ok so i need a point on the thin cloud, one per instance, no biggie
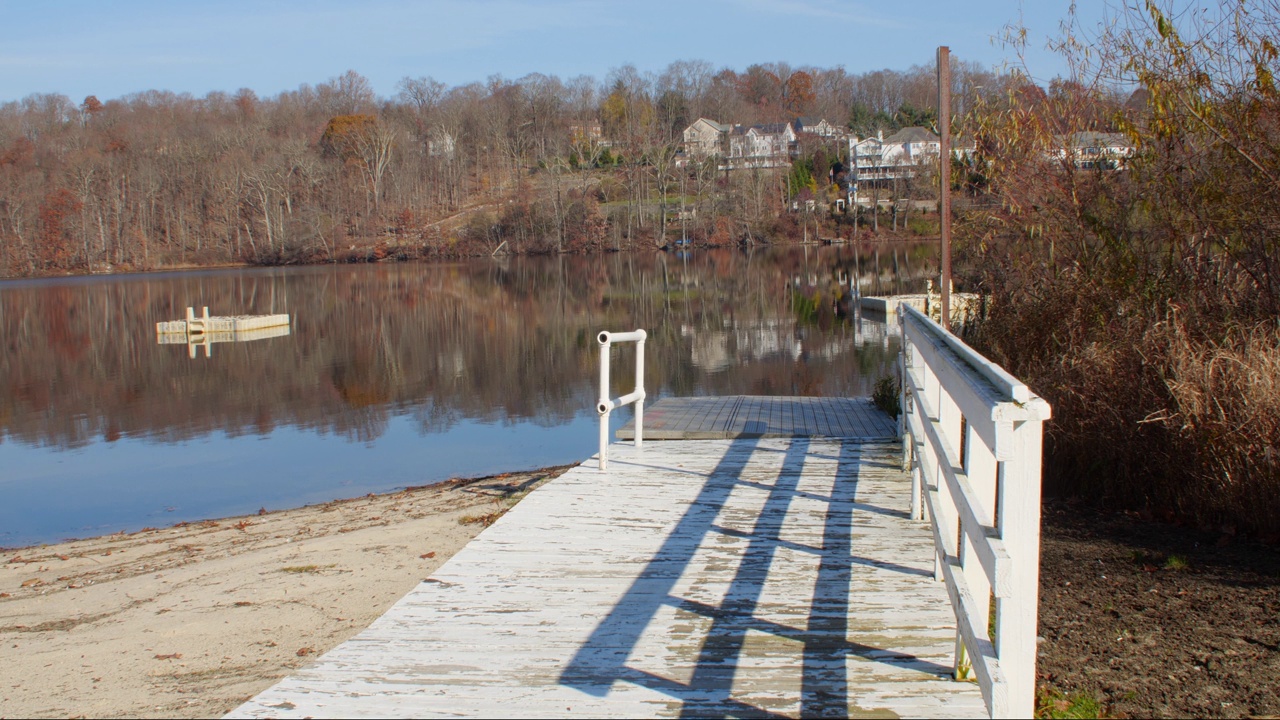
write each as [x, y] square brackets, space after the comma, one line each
[856, 14]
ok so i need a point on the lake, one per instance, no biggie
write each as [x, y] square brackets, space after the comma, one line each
[394, 375]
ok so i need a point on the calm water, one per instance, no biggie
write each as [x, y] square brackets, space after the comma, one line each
[392, 375]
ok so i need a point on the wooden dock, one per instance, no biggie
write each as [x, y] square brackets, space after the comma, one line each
[928, 304]
[744, 416]
[745, 577]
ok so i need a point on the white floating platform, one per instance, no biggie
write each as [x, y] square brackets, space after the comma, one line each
[754, 577]
[218, 336]
[927, 304]
[220, 323]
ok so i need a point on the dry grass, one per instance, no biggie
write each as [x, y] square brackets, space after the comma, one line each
[1174, 419]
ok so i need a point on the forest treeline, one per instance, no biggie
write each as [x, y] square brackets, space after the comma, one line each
[332, 172]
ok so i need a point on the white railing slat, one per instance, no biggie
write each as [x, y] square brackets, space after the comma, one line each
[975, 518]
[955, 401]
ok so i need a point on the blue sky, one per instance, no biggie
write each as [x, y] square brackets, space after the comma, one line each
[113, 47]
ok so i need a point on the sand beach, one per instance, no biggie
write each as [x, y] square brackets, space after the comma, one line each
[192, 620]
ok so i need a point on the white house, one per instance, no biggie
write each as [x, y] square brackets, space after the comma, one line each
[440, 143]
[899, 156]
[761, 146]
[817, 126]
[911, 147]
[1093, 150]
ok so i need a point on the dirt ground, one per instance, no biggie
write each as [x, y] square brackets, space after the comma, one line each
[1156, 620]
[192, 620]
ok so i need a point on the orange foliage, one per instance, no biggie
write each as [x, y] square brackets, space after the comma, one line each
[343, 134]
[56, 246]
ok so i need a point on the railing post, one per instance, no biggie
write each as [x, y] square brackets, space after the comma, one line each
[1019, 521]
[606, 405]
[640, 389]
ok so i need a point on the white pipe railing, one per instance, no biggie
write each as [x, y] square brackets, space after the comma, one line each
[606, 406]
[972, 437]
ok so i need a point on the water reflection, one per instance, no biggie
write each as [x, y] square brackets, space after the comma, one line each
[420, 372]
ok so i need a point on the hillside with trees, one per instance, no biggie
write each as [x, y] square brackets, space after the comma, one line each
[334, 173]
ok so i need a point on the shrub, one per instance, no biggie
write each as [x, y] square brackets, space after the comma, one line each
[886, 395]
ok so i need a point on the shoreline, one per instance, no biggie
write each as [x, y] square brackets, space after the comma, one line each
[194, 619]
[880, 238]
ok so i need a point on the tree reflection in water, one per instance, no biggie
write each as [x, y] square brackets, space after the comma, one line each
[508, 343]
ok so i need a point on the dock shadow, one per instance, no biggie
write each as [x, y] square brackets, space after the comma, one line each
[604, 659]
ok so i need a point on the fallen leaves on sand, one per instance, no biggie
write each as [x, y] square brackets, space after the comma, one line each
[243, 603]
[485, 519]
[170, 656]
[33, 582]
[427, 556]
[303, 652]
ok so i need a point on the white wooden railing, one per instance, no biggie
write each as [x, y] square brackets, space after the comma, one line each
[972, 438]
[606, 405]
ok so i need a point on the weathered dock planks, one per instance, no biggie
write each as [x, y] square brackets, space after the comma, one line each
[740, 416]
[757, 577]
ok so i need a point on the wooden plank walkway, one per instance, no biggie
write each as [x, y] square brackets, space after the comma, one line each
[744, 416]
[755, 577]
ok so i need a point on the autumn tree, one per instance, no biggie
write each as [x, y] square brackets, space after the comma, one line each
[1140, 297]
[797, 93]
[56, 225]
[365, 142]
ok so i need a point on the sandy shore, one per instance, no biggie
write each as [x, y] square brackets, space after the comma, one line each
[191, 621]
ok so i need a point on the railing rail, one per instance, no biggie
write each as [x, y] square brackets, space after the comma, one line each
[972, 438]
[606, 405]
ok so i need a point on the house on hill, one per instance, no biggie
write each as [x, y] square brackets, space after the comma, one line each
[1094, 150]
[900, 155]
[705, 138]
[761, 146]
[817, 126]
[911, 147]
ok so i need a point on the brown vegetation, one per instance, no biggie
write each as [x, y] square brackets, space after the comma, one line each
[1142, 301]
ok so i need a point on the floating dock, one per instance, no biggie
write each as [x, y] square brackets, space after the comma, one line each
[929, 304]
[203, 331]
[198, 324]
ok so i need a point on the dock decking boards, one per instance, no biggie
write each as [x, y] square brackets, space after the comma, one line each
[754, 577]
[737, 416]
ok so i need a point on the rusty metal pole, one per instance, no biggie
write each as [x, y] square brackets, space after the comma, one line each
[944, 176]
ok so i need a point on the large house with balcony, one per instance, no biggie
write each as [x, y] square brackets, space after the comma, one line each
[761, 146]
[900, 156]
[1093, 150]
[739, 147]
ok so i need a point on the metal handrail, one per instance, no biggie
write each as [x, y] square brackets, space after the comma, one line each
[605, 406]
